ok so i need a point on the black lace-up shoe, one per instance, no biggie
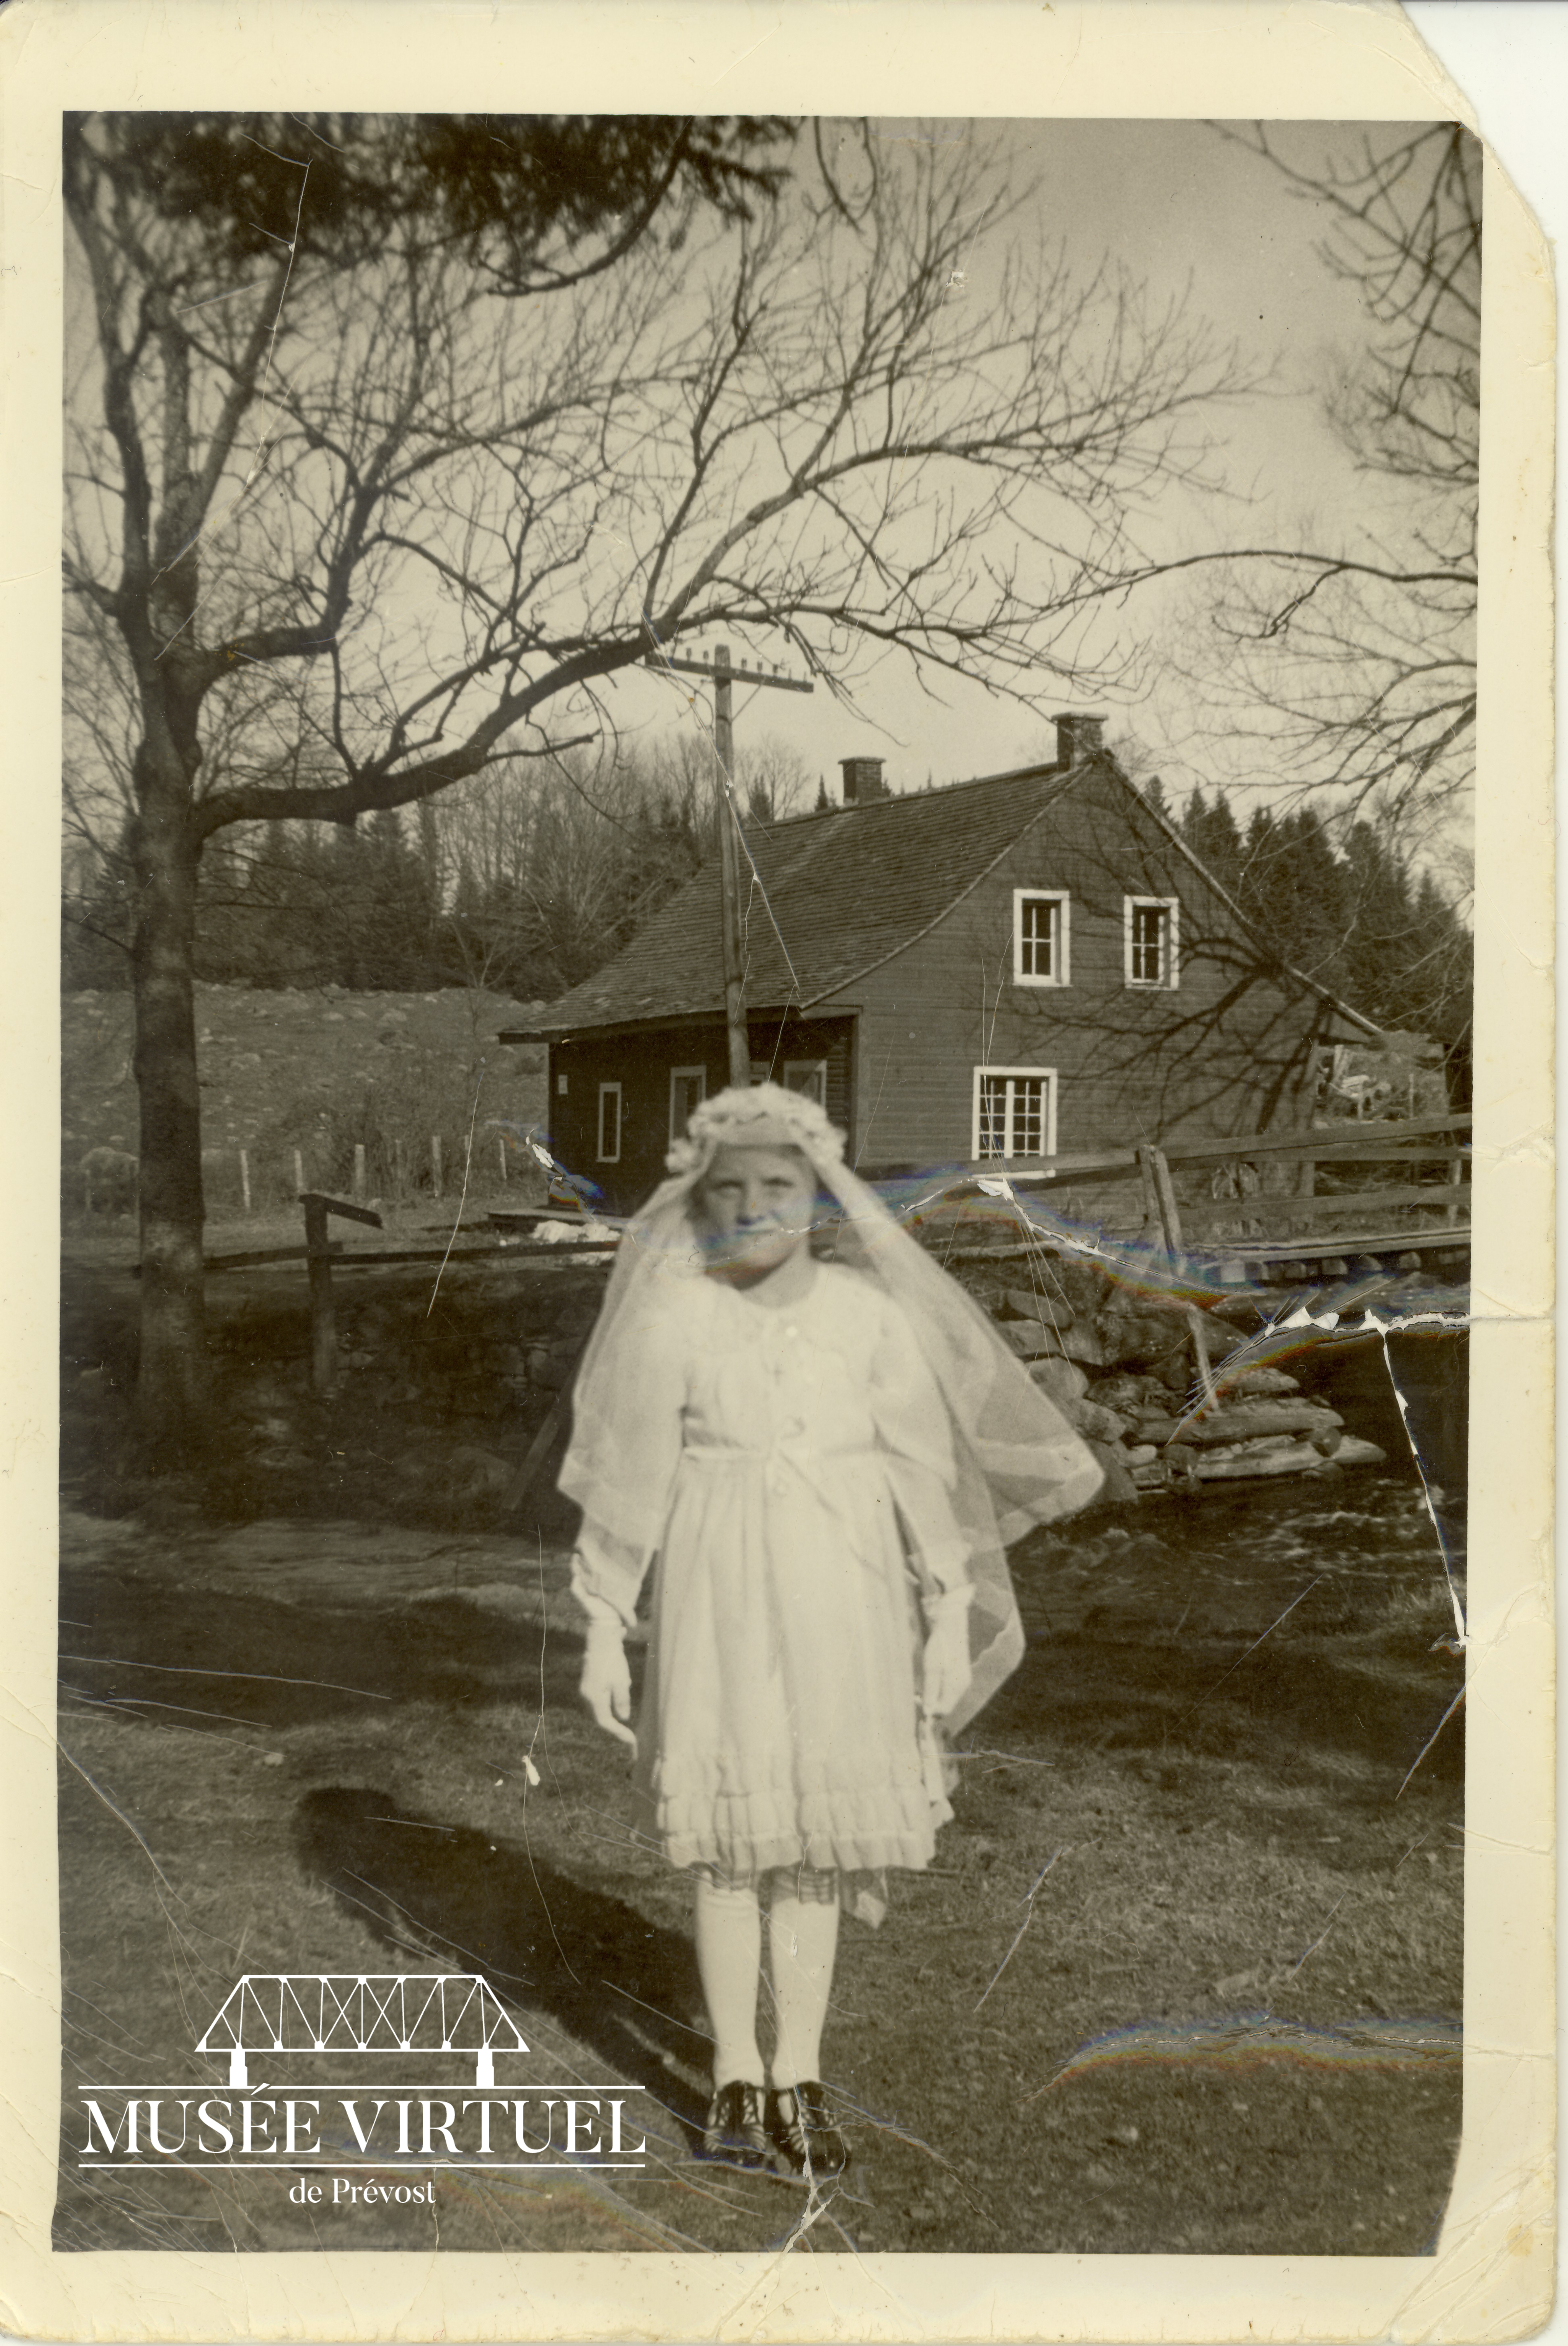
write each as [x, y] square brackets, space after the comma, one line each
[801, 2130]
[734, 2131]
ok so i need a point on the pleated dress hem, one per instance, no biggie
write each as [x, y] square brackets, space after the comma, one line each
[830, 1832]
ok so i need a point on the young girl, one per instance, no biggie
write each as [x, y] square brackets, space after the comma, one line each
[818, 1453]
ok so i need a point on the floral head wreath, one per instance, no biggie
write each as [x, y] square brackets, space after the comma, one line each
[763, 1116]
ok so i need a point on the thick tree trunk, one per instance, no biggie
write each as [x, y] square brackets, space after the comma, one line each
[171, 1389]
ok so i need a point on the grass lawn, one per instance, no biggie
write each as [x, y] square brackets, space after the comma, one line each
[1223, 2019]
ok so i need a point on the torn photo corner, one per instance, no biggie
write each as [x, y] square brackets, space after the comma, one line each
[777, 1536]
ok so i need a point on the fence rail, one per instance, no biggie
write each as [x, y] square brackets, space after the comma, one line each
[1269, 1227]
[1325, 1144]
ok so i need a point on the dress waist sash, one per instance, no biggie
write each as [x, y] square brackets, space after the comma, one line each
[779, 1455]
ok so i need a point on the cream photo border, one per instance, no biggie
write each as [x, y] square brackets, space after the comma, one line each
[1491, 2276]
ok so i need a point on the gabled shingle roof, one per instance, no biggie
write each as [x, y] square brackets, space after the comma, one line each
[848, 888]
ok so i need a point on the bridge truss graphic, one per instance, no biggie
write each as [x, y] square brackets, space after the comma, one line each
[362, 2012]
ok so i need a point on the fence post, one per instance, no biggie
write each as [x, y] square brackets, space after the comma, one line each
[1455, 1175]
[1158, 1181]
[1151, 1197]
[435, 1162]
[318, 1264]
[501, 1144]
[245, 1180]
[1156, 1176]
[359, 1172]
[299, 1172]
[399, 1183]
[323, 1325]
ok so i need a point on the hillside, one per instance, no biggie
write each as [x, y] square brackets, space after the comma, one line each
[316, 1072]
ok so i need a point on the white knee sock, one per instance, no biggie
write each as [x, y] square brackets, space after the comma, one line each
[729, 1956]
[802, 1938]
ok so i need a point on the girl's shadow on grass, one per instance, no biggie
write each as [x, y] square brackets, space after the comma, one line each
[616, 1982]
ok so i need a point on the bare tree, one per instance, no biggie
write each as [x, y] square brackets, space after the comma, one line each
[451, 515]
[1348, 668]
[774, 779]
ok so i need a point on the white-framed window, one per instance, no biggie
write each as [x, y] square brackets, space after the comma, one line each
[1150, 940]
[808, 1075]
[1014, 1112]
[561, 1087]
[1040, 924]
[688, 1089]
[609, 1123]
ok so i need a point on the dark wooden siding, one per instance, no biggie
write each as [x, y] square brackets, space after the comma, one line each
[1226, 1052]
[642, 1064]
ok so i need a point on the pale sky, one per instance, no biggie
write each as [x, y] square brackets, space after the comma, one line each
[1181, 206]
[1186, 212]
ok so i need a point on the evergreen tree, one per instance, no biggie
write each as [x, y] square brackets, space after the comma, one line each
[1311, 898]
[1259, 881]
[1379, 947]
[1352, 917]
[395, 908]
[1214, 839]
[347, 907]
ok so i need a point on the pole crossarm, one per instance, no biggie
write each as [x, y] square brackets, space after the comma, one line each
[724, 676]
[698, 664]
[362, 2012]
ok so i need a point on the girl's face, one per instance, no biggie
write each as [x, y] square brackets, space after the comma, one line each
[754, 1209]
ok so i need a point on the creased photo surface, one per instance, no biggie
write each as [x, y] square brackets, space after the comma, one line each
[786, 1311]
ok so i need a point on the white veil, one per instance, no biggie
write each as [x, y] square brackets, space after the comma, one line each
[1019, 1463]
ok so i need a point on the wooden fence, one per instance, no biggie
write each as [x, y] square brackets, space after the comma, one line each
[1333, 1205]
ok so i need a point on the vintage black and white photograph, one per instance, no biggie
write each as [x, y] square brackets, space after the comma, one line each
[765, 1084]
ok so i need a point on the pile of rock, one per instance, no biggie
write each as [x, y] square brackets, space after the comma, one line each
[1124, 1373]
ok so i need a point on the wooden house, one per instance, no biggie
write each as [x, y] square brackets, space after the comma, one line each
[1028, 963]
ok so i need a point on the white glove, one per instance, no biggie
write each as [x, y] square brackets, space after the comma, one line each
[605, 1685]
[945, 1669]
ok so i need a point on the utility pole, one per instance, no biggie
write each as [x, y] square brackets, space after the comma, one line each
[730, 944]
[730, 879]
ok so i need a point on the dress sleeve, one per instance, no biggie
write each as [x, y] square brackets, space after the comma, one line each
[620, 1465]
[607, 1574]
[912, 1422]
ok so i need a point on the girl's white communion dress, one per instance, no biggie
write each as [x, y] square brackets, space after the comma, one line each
[800, 1461]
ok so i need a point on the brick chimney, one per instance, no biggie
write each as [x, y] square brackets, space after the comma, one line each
[862, 779]
[1078, 736]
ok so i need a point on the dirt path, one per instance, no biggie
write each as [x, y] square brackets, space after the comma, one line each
[1187, 1973]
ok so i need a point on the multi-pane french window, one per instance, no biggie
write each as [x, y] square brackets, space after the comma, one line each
[1014, 1112]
